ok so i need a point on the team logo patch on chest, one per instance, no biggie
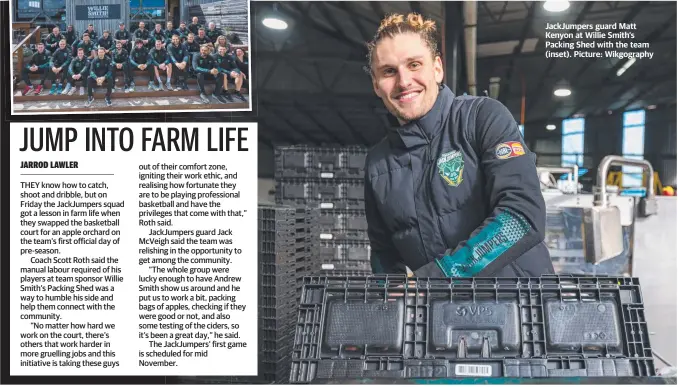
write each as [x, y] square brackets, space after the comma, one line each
[451, 168]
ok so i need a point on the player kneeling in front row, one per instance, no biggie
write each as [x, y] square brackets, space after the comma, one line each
[228, 70]
[160, 60]
[120, 58]
[100, 72]
[206, 68]
[77, 73]
[58, 66]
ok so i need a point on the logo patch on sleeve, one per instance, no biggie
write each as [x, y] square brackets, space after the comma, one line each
[507, 150]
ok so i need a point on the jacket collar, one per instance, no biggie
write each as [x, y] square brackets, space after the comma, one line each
[423, 130]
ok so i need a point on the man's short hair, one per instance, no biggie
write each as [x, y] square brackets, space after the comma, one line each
[41, 44]
[201, 29]
[121, 23]
[85, 34]
[81, 49]
[90, 25]
[107, 32]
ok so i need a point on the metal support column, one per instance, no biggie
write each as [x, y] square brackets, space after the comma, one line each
[452, 49]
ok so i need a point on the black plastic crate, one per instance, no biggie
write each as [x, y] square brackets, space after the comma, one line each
[399, 327]
[304, 161]
[342, 251]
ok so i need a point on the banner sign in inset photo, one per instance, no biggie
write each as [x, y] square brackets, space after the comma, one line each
[97, 12]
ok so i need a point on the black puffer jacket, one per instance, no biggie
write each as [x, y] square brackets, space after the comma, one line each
[456, 194]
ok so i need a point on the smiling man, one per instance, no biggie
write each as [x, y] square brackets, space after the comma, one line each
[453, 191]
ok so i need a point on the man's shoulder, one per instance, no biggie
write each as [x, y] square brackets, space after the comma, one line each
[376, 160]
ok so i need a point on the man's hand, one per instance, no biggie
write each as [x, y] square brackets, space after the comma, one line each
[100, 81]
[142, 67]
[163, 66]
[118, 65]
[55, 69]
[181, 65]
[234, 74]
[214, 71]
[34, 68]
[77, 76]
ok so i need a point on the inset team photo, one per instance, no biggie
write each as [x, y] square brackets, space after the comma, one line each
[79, 56]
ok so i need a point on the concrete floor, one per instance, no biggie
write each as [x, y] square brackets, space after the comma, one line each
[655, 254]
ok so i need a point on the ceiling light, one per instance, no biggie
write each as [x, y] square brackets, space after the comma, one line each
[274, 23]
[626, 66]
[550, 127]
[651, 107]
[562, 89]
[556, 6]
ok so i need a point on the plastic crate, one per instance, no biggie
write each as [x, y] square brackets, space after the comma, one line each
[320, 162]
[342, 251]
[399, 327]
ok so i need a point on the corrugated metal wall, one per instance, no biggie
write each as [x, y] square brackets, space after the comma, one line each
[99, 25]
[226, 14]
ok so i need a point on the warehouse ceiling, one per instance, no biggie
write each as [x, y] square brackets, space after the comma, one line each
[312, 87]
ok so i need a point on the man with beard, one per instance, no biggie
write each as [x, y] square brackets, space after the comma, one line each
[58, 66]
[77, 73]
[213, 32]
[87, 46]
[183, 32]
[228, 70]
[140, 59]
[123, 36]
[206, 68]
[160, 60]
[71, 35]
[52, 40]
[194, 27]
[39, 64]
[100, 72]
[106, 41]
[453, 191]
[179, 57]
[120, 59]
[143, 34]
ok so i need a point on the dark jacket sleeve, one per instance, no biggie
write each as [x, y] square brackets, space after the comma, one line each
[384, 257]
[517, 218]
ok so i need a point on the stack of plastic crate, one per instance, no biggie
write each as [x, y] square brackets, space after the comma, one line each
[332, 181]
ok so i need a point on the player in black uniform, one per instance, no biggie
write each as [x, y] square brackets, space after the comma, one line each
[213, 33]
[158, 34]
[39, 64]
[179, 57]
[120, 59]
[71, 35]
[193, 49]
[143, 34]
[183, 31]
[52, 40]
[58, 67]
[169, 32]
[106, 42]
[88, 46]
[93, 35]
[100, 72]
[203, 39]
[77, 72]
[160, 60]
[228, 71]
[123, 36]
[140, 59]
[206, 68]
[194, 27]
